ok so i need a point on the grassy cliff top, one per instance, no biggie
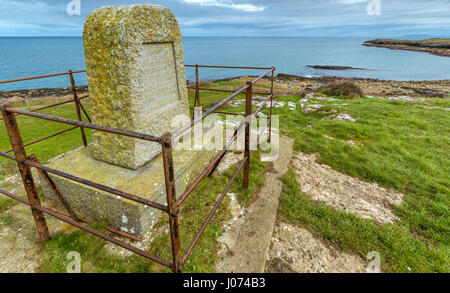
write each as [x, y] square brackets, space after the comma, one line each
[433, 42]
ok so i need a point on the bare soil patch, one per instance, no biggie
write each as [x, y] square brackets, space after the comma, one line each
[322, 183]
[19, 240]
[297, 250]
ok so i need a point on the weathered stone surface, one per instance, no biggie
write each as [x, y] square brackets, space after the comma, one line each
[245, 244]
[146, 182]
[136, 77]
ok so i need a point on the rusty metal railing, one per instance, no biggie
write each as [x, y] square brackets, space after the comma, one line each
[76, 100]
[25, 163]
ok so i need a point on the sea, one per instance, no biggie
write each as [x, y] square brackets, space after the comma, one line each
[30, 56]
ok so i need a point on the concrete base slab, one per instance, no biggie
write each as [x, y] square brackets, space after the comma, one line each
[146, 182]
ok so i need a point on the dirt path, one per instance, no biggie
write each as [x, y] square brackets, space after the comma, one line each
[245, 245]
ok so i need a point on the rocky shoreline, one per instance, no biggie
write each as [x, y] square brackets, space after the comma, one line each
[20, 96]
[372, 87]
[439, 47]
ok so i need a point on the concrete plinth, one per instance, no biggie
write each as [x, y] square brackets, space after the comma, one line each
[146, 182]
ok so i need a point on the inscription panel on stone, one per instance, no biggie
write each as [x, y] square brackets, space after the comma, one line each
[159, 80]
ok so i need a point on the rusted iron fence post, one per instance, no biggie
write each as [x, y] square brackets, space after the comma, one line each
[271, 104]
[248, 113]
[25, 172]
[77, 105]
[169, 175]
[55, 189]
[197, 87]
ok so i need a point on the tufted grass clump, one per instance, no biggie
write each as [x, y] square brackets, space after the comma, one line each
[345, 89]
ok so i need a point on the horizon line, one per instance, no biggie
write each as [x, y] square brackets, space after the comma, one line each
[266, 37]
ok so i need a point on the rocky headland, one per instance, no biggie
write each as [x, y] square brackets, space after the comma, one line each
[440, 47]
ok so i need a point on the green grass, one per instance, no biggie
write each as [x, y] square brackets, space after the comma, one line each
[5, 219]
[402, 146]
[33, 128]
[194, 211]
[400, 251]
[6, 203]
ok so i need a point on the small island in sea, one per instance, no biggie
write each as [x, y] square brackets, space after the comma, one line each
[333, 67]
[436, 46]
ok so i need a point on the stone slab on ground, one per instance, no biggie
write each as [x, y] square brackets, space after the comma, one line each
[297, 250]
[324, 184]
[247, 253]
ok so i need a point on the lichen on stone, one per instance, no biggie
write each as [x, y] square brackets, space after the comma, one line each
[115, 40]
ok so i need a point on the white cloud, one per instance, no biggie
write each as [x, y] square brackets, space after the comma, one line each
[227, 4]
[29, 6]
[352, 1]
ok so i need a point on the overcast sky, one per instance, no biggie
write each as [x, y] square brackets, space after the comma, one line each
[271, 18]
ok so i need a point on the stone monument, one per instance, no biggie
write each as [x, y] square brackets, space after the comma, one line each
[136, 78]
[137, 82]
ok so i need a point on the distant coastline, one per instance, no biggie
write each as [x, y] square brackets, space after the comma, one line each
[370, 86]
[439, 47]
[40, 56]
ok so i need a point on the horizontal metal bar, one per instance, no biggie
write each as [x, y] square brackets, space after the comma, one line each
[213, 211]
[8, 156]
[15, 197]
[40, 76]
[223, 90]
[208, 112]
[219, 66]
[92, 184]
[264, 102]
[53, 105]
[44, 138]
[112, 230]
[124, 234]
[220, 112]
[82, 71]
[221, 154]
[263, 75]
[87, 125]
[90, 230]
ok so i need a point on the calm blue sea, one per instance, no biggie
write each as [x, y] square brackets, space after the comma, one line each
[23, 57]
